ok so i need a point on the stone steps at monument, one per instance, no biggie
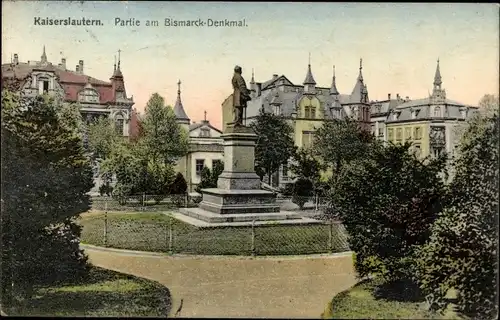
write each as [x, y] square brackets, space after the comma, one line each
[211, 217]
[204, 224]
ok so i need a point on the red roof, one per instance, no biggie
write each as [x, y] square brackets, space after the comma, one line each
[71, 81]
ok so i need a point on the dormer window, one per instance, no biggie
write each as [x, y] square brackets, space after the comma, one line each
[205, 132]
[463, 113]
[43, 85]
[414, 113]
[395, 116]
[88, 95]
[437, 112]
[277, 110]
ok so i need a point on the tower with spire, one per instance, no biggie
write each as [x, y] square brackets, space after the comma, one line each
[309, 82]
[180, 113]
[438, 93]
[43, 58]
[117, 81]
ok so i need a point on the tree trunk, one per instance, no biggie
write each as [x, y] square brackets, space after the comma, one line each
[269, 176]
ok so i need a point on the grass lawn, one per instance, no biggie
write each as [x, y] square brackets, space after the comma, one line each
[363, 302]
[162, 233]
[105, 293]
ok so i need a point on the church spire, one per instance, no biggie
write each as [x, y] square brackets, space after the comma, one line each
[360, 77]
[179, 112]
[309, 77]
[437, 77]
[117, 73]
[333, 88]
[44, 56]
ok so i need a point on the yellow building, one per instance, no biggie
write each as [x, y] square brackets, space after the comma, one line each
[305, 106]
[428, 123]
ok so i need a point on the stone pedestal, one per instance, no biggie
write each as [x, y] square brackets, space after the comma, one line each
[238, 196]
[238, 187]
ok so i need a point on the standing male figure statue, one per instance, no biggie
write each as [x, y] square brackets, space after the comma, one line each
[241, 96]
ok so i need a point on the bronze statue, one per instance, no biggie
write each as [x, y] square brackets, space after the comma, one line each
[241, 96]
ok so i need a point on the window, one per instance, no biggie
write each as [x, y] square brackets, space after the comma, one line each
[88, 95]
[205, 132]
[119, 126]
[373, 129]
[399, 134]
[418, 133]
[307, 112]
[380, 132]
[43, 85]
[437, 112]
[463, 112]
[313, 113]
[436, 152]
[307, 138]
[407, 133]
[395, 116]
[200, 163]
[390, 134]
[414, 114]
[284, 172]
[277, 110]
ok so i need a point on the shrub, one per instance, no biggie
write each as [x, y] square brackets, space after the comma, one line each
[179, 186]
[462, 251]
[387, 203]
[302, 191]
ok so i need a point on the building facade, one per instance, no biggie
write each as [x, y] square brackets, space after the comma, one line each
[205, 145]
[428, 123]
[304, 106]
[93, 97]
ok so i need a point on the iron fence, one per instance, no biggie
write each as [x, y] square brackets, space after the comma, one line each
[144, 202]
[162, 233]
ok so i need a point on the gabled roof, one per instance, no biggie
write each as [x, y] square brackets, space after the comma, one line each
[203, 123]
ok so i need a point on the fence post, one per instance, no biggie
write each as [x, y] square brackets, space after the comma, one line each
[253, 238]
[143, 200]
[170, 236]
[106, 223]
[330, 237]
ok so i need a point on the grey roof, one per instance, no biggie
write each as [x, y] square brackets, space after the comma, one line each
[180, 114]
[309, 77]
[383, 107]
[195, 126]
[359, 88]
[422, 107]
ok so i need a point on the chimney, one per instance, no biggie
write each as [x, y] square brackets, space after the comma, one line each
[275, 76]
[16, 59]
[63, 63]
[80, 63]
[77, 68]
[407, 98]
[388, 96]
[259, 88]
[397, 96]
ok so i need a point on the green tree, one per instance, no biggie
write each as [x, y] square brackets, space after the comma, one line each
[162, 137]
[49, 178]
[341, 141]
[305, 165]
[275, 144]
[102, 137]
[388, 202]
[206, 180]
[462, 251]
[302, 191]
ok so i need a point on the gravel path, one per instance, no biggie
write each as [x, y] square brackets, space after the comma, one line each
[298, 287]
